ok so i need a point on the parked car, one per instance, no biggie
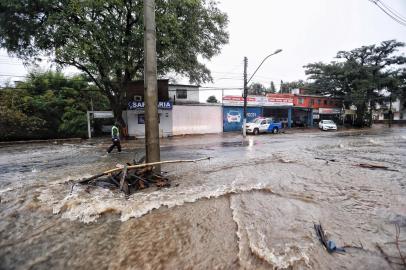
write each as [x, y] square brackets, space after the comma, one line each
[262, 125]
[233, 116]
[327, 125]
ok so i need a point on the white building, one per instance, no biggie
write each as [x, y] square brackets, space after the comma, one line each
[178, 120]
[183, 94]
[381, 112]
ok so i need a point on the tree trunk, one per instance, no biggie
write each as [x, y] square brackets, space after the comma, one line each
[117, 109]
[359, 121]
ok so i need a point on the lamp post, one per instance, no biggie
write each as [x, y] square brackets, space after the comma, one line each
[244, 132]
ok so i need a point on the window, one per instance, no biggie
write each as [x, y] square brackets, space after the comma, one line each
[263, 122]
[319, 101]
[325, 102]
[312, 102]
[141, 119]
[181, 93]
[301, 100]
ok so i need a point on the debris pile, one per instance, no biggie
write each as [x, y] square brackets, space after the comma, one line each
[397, 260]
[132, 177]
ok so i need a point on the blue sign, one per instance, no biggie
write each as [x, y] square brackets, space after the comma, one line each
[135, 105]
[233, 117]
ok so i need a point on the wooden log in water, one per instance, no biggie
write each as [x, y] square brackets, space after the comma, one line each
[145, 165]
[123, 181]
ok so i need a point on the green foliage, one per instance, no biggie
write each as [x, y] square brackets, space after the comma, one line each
[287, 87]
[104, 39]
[74, 123]
[360, 75]
[257, 89]
[14, 124]
[48, 105]
[272, 88]
[212, 99]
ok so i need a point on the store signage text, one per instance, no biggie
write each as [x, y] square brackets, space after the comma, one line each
[164, 105]
[259, 101]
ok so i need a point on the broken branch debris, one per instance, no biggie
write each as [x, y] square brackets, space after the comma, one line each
[374, 167]
[130, 178]
[328, 244]
[401, 260]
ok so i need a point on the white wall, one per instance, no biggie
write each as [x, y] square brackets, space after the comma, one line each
[138, 130]
[197, 119]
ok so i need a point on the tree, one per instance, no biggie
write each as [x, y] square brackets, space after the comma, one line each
[48, 105]
[212, 99]
[272, 88]
[104, 39]
[289, 86]
[360, 76]
[256, 89]
[281, 87]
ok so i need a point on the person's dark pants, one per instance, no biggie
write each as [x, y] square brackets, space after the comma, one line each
[116, 143]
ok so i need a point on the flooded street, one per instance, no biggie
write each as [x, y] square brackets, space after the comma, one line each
[252, 206]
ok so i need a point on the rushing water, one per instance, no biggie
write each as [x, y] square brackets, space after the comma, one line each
[252, 206]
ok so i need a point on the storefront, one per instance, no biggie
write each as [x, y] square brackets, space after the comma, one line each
[136, 121]
[279, 108]
[233, 116]
[302, 117]
[276, 106]
[334, 114]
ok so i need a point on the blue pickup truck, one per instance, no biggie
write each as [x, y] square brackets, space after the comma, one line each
[263, 125]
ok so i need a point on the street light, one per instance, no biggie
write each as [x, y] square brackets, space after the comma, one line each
[246, 88]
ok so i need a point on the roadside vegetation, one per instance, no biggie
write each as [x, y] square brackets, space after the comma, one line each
[48, 105]
[363, 77]
[105, 39]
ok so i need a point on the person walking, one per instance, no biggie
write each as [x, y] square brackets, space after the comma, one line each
[115, 138]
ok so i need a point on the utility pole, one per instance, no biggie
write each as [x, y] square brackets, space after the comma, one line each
[245, 94]
[390, 110]
[244, 131]
[152, 151]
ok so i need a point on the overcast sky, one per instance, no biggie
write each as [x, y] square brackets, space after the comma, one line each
[306, 30]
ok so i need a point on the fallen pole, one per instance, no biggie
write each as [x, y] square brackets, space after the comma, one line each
[85, 180]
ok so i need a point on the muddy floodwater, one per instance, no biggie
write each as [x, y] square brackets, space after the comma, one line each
[252, 206]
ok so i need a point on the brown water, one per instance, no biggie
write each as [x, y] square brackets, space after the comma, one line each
[252, 206]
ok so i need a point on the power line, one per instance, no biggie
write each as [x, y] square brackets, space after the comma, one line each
[388, 12]
[398, 15]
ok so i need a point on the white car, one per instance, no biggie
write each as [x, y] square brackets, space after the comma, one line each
[327, 125]
[233, 116]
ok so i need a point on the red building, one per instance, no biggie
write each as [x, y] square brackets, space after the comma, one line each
[322, 107]
[316, 102]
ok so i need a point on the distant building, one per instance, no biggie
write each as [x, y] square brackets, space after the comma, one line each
[381, 111]
[323, 108]
[184, 94]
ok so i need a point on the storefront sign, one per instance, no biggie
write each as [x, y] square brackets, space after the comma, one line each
[258, 101]
[279, 101]
[233, 117]
[164, 105]
[103, 115]
[329, 110]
